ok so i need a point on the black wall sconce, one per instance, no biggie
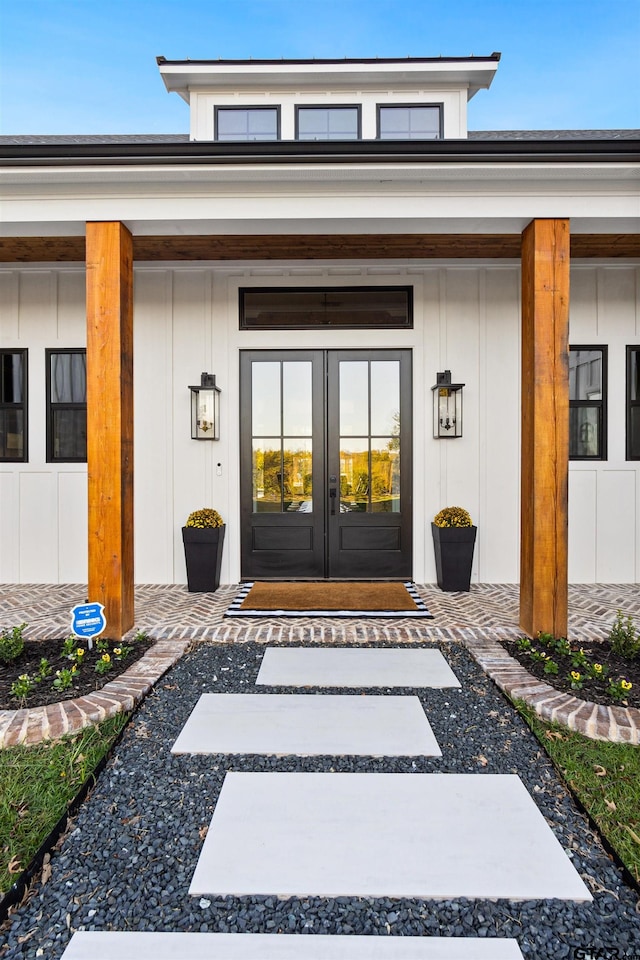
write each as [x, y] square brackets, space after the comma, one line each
[205, 409]
[447, 407]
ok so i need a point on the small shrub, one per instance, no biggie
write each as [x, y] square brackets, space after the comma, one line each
[550, 666]
[524, 644]
[22, 687]
[453, 517]
[104, 664]
[597, 671]
[11, 643]
[64, 678]
[576, 680]
[546, 639]
[579, 658]
[624, 638]
[205, 518]
[618, 689]
[69, 648]
[44, 670]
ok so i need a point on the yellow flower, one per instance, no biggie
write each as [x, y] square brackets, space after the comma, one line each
[575, 675]
[597, 667]
[79, 652]
[626, 685]
[106, 657]
[117, 651]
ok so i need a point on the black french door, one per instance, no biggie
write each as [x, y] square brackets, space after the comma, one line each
[326, 464]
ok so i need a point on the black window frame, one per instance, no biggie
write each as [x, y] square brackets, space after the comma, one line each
[23, 405]
[329, 106]
[52, 407]
[408, 106]
[598, 404]
[407, 324]
[273, 108]
[629, 403]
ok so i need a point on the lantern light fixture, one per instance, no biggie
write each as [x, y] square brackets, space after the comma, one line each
[205, 409]
[447, 407]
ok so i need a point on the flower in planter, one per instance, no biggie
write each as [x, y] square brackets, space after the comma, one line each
[204, 519]
[453, 517]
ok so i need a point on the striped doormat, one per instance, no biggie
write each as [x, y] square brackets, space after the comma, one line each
[326, 598]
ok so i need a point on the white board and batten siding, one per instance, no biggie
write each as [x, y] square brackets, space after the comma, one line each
[466, 318]
[604, 497]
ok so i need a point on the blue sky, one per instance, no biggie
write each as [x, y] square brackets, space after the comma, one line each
[88, 66]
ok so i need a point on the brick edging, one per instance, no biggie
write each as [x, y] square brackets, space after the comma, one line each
[32, 725]
[593, 720]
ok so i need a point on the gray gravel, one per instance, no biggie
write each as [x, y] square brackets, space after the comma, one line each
[127, 862]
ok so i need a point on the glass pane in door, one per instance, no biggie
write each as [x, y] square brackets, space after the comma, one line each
[281, 428]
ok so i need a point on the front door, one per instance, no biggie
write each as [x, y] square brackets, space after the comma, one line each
[326, 464]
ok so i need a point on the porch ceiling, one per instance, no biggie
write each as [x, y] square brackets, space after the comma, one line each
[315, 247]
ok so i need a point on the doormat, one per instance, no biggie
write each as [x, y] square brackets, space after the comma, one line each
[326, 598]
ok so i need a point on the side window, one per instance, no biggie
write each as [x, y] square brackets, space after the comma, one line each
[633, 403]
[587, 403]
[66, 405]
[13, 406]
[247, 123]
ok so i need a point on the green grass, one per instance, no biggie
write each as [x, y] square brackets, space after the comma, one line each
[604, 776]
[38, 783]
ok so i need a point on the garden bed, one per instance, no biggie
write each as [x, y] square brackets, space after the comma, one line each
[543, 654]
[61, 658]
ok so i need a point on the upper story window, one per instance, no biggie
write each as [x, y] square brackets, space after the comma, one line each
[409, 122]
[328, 123]
[66, 405]
[247, 123]
[587, 403]
[13, 405]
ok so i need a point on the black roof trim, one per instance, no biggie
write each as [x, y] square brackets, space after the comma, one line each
[321, 60]
[308, 152]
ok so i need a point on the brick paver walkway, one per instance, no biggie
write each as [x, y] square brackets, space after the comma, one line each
[176, 618]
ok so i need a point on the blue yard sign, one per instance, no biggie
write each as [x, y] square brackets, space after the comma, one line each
[88, 620]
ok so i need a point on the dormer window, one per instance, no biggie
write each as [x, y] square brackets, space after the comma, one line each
[247, 123]
[409, 122]
[328, 123]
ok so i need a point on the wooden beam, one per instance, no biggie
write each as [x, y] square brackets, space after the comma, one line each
[545, 427]
[110, 422]
[318, 247]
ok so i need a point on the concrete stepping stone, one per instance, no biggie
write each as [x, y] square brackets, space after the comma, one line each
[355, 667]
[307, 725]
[269, 946]
[382, 835]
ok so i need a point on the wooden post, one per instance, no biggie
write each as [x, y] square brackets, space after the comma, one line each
[545, 427]
[110, 422]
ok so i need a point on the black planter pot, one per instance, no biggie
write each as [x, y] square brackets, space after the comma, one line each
[454, 556]
[203, 554]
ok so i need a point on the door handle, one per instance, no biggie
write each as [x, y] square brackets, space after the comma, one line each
[332, 496]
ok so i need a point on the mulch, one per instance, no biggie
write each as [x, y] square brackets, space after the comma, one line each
[86, 679]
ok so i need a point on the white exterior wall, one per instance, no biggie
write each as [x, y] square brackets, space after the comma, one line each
[604, 498]
[466, 318]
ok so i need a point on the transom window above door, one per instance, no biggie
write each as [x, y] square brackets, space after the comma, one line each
[409, 122]
[328, 123]
[287, 308]
[247, 123]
